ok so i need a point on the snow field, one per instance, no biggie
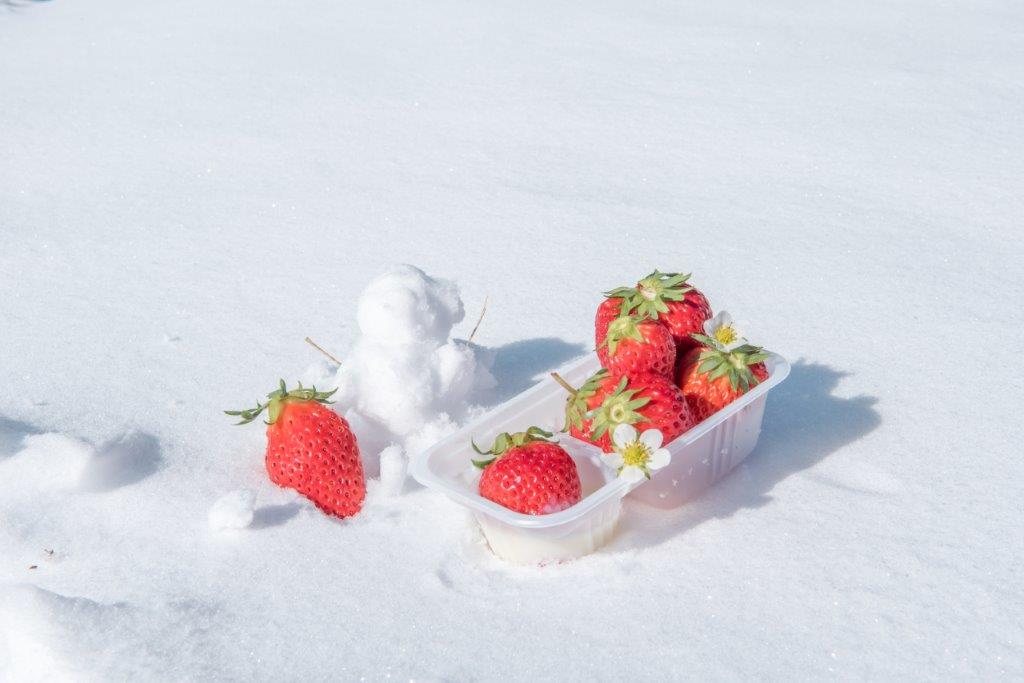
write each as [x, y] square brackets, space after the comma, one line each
[189, 189]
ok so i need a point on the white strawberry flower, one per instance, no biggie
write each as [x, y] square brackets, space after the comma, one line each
[635, 457]
[723, 330]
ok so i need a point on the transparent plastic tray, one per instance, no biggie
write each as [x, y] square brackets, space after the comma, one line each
[700, 457]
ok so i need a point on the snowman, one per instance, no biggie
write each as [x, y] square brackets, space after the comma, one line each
[405, 382]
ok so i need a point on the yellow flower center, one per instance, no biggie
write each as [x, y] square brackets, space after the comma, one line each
[725, 335]
[636, 454]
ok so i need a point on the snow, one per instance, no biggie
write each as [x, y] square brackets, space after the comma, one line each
[233, 510]
[189, 189]
[46, 462]
[393, 468]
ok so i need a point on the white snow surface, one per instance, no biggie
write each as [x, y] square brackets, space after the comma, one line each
[189, 189]
[233, 510]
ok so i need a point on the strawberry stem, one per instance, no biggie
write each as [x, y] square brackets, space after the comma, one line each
[565, 385]
[277, 400]
[505, 441]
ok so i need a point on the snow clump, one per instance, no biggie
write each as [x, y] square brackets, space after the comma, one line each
[233, 510]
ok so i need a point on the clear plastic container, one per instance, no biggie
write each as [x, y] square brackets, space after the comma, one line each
[700, 457]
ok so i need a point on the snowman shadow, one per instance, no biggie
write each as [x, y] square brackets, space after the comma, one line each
[519, 365]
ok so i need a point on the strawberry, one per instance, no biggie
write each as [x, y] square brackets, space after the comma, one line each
[645, 401]
[529, 474]
[311, 449]
[607, 311]
[581, 401]
[637, 346]
[665, 297]
[713, 376]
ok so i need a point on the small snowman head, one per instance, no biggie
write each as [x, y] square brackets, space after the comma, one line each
[405, 306]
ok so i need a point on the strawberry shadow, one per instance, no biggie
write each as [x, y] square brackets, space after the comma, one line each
[274, 515]
[804, 423]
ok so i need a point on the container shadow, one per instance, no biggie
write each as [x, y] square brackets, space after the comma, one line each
[517, 366]
[803, 424]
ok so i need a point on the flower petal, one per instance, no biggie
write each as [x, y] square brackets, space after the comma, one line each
[711, 324]
[652, 438]
[632, 474]
[623, 435]
[612, 460]
[659, 459]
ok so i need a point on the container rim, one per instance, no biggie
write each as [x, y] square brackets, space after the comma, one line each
[778, 369]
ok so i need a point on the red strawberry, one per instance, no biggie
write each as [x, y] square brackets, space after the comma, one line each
[635, 346]
[712, 378]
[529, 474]
[665, 297]
[609, 309]
[311, 449]
[645, 401]
[581, 401]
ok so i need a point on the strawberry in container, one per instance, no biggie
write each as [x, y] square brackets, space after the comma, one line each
[635, 345]
[606, 401]
[635, 429]
[527, 472]
[722, 369]
[645, 402]
[580, 402]
[665, 297]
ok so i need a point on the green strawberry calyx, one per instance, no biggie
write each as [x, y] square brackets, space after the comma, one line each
[648, 299]
[716, 361]
[623, 327]
[576, 405]
[278, 399]
[620, 407]
[505, 441]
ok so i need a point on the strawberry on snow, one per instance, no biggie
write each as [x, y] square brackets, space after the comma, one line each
[529, 474]
[311, 449]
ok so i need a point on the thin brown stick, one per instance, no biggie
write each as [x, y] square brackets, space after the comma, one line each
[321, 350]
[479, 320]
[565, 385]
